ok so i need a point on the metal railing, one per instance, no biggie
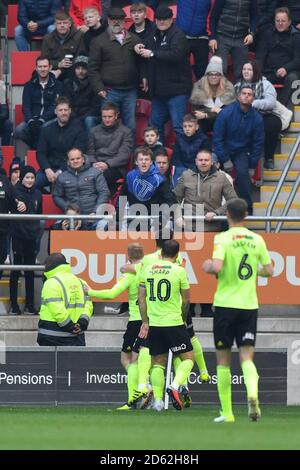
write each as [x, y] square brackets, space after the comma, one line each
[280, 183]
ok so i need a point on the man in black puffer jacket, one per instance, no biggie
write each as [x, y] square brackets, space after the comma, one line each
[168, 71]
[279, 54]
[232, 25]
[81, 184]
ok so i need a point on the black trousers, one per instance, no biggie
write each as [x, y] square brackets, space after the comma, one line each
[23, 252]
[272, 126]
[3, 249]
[284, 94]
[44, 340]
[199, 49]
[112, 175]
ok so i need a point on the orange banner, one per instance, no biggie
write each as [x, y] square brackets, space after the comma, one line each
[98, 261]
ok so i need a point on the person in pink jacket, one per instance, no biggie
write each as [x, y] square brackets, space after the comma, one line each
[76, 11]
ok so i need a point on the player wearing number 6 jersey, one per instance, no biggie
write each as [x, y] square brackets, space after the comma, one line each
[164, 303]
[239, 256]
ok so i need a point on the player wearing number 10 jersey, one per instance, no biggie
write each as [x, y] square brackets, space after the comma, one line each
[164, 304]
[237, 256]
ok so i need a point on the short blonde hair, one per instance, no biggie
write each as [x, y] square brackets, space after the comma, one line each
[135, 251]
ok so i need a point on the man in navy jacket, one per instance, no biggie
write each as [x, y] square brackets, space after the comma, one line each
[36, 18]
[238, 140]
[192, 18]
[39, 97]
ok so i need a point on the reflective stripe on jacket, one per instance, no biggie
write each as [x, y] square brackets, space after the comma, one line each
[63, 302]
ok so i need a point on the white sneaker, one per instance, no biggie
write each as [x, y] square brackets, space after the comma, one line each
[224, 419]
[158, 405]
[108, 309]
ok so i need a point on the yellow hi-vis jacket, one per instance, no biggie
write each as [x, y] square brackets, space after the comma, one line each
[63, 303]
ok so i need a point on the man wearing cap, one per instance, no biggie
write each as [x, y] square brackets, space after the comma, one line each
[39, 95]
[169, 71]
[14, 171]
[85, 104]
[113, 67]
[65, 308]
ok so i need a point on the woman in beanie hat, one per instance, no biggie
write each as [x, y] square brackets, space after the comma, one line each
[24, 234]
[211, 93]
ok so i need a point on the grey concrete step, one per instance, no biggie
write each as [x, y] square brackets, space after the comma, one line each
[106, 331]
[293, 129]
[266, 192]
[286, 144]
[274, 175]
[259, 208]
[280, 160]
[296, 117]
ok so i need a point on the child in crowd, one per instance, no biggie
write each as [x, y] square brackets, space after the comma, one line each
[24, 234]
[72, 209]
[188, 144]
[14, 171]
[151, 138]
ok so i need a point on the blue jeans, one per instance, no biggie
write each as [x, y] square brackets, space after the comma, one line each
[6, 129]
[163, 109]
[241, 164]
[21, 37]
[41, 180]
[126, 101]
[89, 122]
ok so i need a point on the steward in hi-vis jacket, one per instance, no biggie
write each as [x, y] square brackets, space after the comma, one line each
[65, 308]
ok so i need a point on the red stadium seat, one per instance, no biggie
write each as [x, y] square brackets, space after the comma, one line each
[169, 152]
[8, 152]
[174, 10]
[31, 159]
[19, 116]
[12, 20]
[50, 208]
[22, 66]
[170, 135]
[257, 174]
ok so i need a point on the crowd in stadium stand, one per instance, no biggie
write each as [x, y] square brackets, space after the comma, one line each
[217, 70]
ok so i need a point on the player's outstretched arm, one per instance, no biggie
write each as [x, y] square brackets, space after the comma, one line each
[266, 271]
[212, 266]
